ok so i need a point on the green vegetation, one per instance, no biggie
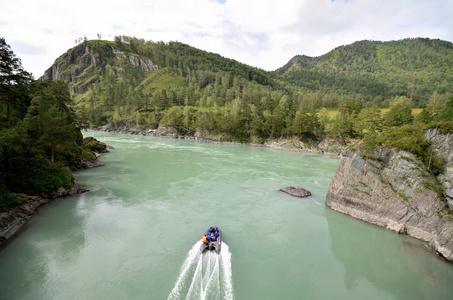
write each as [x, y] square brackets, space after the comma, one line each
[378, 72]
[38, 133]
[411, 138]
[133, 75]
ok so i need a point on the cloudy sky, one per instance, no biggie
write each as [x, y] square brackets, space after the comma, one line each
[261, 33]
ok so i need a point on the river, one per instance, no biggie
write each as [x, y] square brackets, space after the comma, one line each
[136, 234]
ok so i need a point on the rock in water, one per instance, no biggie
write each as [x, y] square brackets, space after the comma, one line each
[296, 191]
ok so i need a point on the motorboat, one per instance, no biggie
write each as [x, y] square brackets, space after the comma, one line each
[212, 245]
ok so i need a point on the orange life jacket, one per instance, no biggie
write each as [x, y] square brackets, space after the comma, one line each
[204, 239]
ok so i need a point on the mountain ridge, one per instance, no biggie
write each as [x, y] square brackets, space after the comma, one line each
[394, 68]
[373, 70]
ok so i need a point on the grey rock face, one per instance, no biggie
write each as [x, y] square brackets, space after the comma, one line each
[442, 145]
[71, 66]
[394, 191]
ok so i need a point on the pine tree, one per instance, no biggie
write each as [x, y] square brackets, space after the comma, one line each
[58, 134]
[369, 144]
[13, 81]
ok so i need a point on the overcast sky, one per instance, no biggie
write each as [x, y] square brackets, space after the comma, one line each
[261, 33]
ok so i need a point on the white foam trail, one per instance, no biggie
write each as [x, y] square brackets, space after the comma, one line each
[191, 257]
[205, 276]
[225, 256]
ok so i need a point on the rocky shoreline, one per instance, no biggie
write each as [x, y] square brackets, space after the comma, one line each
[14, 219]
[328, 147]
[397, 192]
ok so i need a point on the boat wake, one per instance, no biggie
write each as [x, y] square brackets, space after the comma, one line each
[205, 276]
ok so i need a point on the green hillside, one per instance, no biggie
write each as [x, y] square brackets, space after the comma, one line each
[377, 71]
[137, 82]
[130, 75]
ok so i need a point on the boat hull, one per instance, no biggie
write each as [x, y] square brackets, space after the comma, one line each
[218, 244]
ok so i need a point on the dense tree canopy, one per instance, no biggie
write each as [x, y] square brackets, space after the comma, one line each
[38, 135]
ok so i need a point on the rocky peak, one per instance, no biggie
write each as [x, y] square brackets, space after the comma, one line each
[79, 65]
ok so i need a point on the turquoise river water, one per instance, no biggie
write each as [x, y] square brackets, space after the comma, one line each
[136, 234]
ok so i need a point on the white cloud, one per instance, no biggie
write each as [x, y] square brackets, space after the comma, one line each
[264, 33]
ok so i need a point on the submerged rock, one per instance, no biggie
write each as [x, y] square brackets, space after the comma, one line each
[296, 191]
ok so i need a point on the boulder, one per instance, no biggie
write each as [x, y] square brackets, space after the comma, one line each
[95, 145]
[296, 191]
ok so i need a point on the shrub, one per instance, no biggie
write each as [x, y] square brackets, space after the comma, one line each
[7, 200]
[411, 139]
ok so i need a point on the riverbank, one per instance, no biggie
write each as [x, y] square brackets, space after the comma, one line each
[329, 147]
[13, 219]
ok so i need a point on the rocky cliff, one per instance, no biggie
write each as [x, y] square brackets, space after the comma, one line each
[83, 64]
[442, 145]
[396, 191]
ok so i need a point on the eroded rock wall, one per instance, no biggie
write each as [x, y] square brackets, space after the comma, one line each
[77, 66]
[395, 191]
[442, 145]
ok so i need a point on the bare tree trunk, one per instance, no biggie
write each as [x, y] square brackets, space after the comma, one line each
[8, 110]
[366, 165]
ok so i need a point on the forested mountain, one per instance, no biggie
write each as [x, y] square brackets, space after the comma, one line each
[148, 84]
[377, 71]
[150, 74]
[116, 80]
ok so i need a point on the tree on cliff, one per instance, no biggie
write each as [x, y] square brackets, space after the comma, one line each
[369, 144]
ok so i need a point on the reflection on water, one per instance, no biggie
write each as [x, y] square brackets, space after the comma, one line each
[396, 266]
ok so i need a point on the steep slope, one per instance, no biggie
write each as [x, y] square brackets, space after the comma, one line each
[85, 63]
[377, 69]
[131, 78]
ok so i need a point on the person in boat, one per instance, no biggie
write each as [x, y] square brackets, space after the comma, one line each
[213, 237]
[205, 239]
